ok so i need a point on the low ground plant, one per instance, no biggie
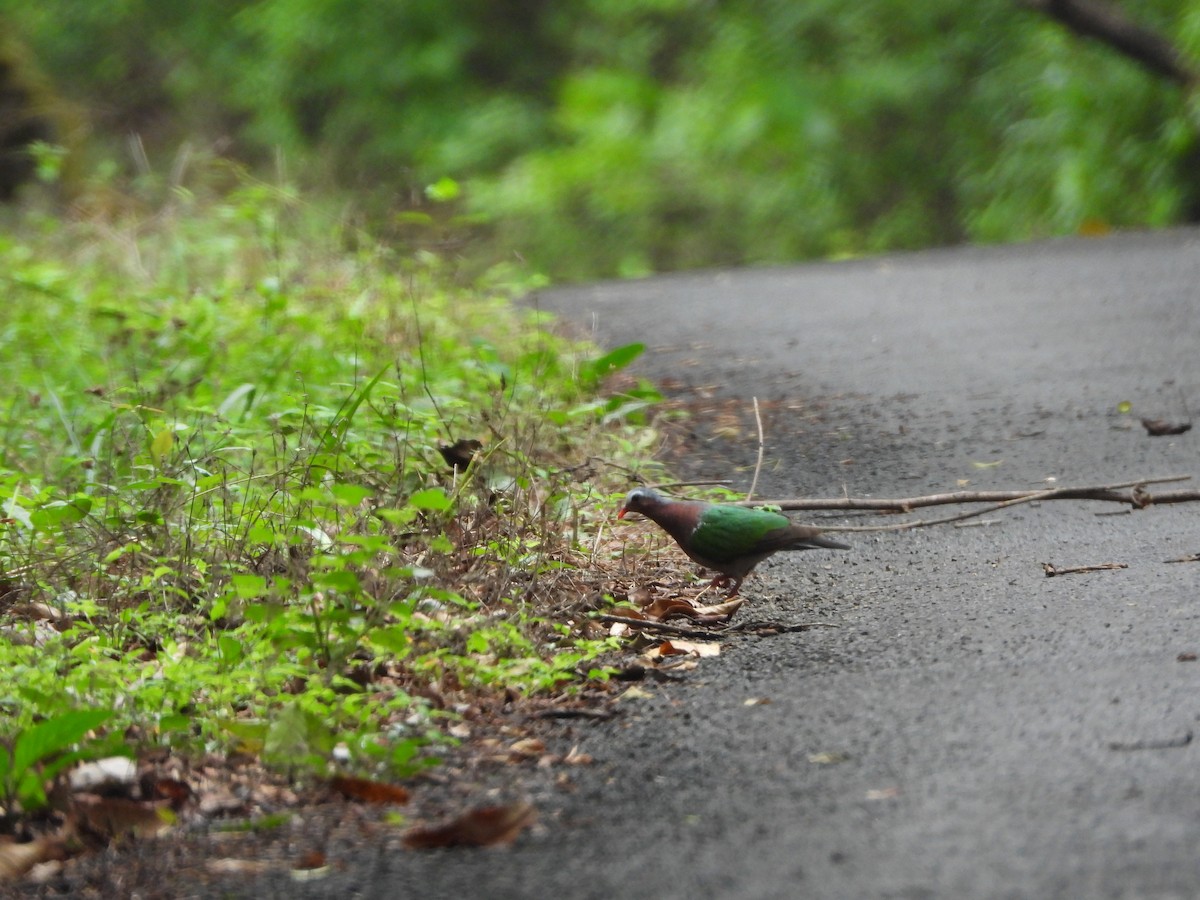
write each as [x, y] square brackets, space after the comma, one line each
[267, 484]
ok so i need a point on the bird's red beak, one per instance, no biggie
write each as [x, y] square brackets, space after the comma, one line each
[621, 514]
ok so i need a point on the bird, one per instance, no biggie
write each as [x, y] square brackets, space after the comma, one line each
[730, 540]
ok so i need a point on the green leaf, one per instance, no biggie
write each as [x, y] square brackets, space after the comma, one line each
[62, 512]
[231, 649]
[242, 395]
[592, 373]
[161, 444]
[54, 735]
[434, 499]
[249, 587]
[443, 190]
[296, 736]
[350, 494]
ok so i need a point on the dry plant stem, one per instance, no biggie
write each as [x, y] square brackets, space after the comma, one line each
[1109, 492]
[758, 463]
[664, 627]
[1137, 497]
[671, 485]
[1052, 570]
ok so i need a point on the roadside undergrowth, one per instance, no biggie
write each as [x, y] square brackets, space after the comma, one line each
[269, 487]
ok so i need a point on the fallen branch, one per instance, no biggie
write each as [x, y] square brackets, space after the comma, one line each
[1052, 570]
[1133, 493]
[773, 628]
[1166, 744]
[1115, 493]
[663, 627]
[573, 712]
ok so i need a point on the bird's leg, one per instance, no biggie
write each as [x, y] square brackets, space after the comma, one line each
[722, 581]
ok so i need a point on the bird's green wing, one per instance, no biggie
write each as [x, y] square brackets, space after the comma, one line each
[726, 533]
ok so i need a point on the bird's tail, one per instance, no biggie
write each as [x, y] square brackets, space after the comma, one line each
[829, 543]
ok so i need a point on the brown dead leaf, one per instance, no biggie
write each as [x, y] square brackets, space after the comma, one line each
[635, 693]
[719, 612]
[365, 790]
[641, 595]
[231, 866]
[17, 859]
[1161, 427]
[677, 647]
[575, 758]
[828, 757]
[116, 816]
[486, 826]
[888, 793]
[172, 789]
[527, 747]
[664, 608]
[311, 859]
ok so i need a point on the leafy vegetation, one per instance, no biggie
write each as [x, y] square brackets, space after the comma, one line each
[225, 520]
[605, 138]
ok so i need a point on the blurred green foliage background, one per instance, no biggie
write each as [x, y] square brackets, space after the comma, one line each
[620, 137]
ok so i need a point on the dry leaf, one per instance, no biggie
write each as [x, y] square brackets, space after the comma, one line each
[528, 747]
[635, 693]
[17, 859]
[719, 612]
[230, 866]
[1160, 427]
[641, 596]
[312, 859]
[484, 827]
[678, 647]
[172, 789]
[575, 758]
[669, 608]
[883, 794]
[828, 758]
[115, 816]
[367, 791]
[756, 701]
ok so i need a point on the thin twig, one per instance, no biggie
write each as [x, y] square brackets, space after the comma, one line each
[671, 485]
[573, 712]
[1137, 497]
[1166, 744]
[664, 627]
[1052, 570]
[1108, 492]
[759, 462]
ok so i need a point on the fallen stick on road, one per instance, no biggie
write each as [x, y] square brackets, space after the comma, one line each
[1051, 570]
[1133, 493]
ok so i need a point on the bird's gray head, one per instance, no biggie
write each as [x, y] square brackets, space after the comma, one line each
[639, 500]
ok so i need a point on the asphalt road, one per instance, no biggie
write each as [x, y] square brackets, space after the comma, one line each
[969, 727]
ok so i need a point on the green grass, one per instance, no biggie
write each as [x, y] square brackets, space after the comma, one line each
[225, 516]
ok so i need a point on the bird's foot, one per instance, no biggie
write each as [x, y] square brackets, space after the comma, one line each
[723, 581]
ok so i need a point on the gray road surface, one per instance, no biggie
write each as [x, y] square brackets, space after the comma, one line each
[970, 727]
